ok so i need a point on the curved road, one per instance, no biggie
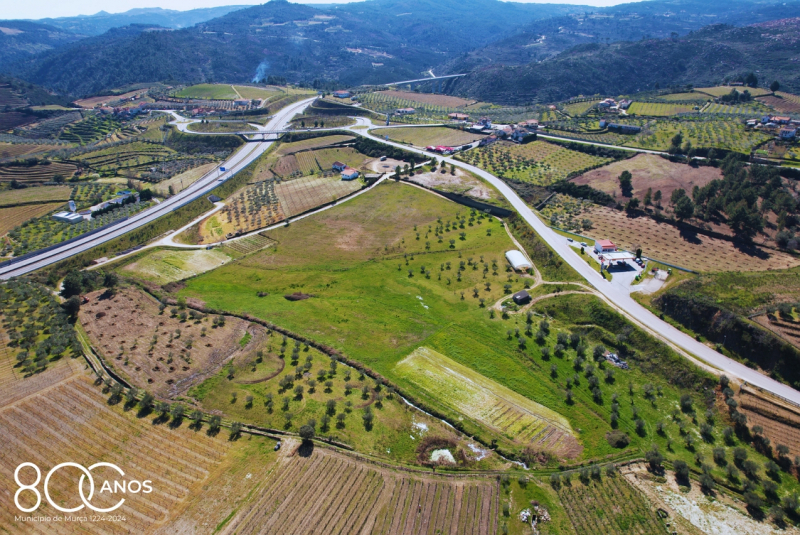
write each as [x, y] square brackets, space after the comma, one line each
[621, 299]
[234, 164]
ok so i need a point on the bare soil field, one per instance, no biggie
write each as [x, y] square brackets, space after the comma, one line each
[183, 180]
[428, 98]
[665, 242]
[782, 102]
[14, 119]
[462, 182]
[94, 102]
[781, 421]
[425, 136]
[302, 194]
[158, 352]
[649, 171]
[16, 215]
[789, 331]
[327, 492]
[15, 150]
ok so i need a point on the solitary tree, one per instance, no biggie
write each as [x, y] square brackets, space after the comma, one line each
[625, 183]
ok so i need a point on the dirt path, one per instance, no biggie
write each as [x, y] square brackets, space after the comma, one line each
[499, 304]
[235, 91]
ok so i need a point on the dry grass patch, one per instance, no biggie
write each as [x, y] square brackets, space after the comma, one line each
[667, 243]
[425, 136]
[14, 216]
[14, 150]
[649, 171]
[183, 180]
[427, 98]
[164, 354]
[42, 194]
[167, 266]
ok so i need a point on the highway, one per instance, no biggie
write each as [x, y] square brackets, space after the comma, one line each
[621, 299]
[234, 164]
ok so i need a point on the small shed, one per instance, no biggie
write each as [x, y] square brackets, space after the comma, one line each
[67, 217]
[521, 297]
[518, 260]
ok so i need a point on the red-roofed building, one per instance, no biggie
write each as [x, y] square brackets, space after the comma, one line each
[349, 173]
[604, 246]
[339, 166]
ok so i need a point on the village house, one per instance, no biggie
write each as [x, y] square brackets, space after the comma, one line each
[342, 94]
[788, 133]
[349, 173]
[338, 166]
[604, 246]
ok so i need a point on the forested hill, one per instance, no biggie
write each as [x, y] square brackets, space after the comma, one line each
[704, 57]
[21, 39]
[653, 19]
[377, 41]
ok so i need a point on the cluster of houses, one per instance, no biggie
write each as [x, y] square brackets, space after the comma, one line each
[612, 106]
[783, 126]
[347, 172]
[519, 133]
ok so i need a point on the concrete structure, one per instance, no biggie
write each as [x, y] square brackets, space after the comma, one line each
[788, 133]
[604, 246]
[349, 173]
[67, 217]
[518, 260]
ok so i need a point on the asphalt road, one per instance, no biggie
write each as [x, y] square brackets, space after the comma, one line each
[235, 163]
[620, 298]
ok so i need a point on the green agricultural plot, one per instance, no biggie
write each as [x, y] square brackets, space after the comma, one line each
[479, 398]
[425, 136]
[42, 194]
[573, 109]
[657, 109]
[219, 127]
[170, 265]
[253, 93]
[539, 162]
[208, 91]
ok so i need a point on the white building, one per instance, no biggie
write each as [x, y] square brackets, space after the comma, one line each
[349, 173]
[518, 260]
[604, 246]
[67, 217]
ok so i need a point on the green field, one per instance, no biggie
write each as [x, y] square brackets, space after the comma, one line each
[208, 92]
[538, 162]
[656, 109]
[254, 93]
[42, 194]
[573, 109]
[424, 136]
[219, 127]
[165, 266]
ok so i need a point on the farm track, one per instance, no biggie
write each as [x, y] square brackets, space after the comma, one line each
[333, 494]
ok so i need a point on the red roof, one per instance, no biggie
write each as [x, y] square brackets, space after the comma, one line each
[606, 244]
[349, 171]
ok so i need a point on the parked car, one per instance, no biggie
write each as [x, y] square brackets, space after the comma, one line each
[570, 240]
[383, 158]
[583, 244]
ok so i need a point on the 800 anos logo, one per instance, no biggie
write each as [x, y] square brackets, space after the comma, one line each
[132, 486]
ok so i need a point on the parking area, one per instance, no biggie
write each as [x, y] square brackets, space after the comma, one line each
[624, 271]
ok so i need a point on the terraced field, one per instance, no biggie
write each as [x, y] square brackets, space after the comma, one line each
[754, 109]
[330, 493]
[42, 194]
[782, 102]
[90, 129]
[573, 109]
[249, 244]
[538, 162]
[14, 119]
[9, 98]
[41, 172]
[15, 150]
[473, 396]
[127, 158]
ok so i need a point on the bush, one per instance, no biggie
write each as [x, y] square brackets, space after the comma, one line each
[618, 439]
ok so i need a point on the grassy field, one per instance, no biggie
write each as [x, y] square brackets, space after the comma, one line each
[253, 93]
[425, 136]
[538, 162]
[656, 109]
[649, 171]
[684, 97]
[42, 194]
[221, 127]
[721, 90]
[579, 108]
[474, 396]
[727, 134]
[208, 92]
[166, 266]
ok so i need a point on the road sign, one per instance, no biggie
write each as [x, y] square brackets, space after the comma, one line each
[222, 169]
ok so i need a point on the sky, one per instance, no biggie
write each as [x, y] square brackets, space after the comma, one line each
[39, 9]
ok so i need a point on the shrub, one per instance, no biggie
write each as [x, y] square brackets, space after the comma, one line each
[618, 439]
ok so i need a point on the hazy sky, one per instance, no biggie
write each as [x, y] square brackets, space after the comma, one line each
[39, 9]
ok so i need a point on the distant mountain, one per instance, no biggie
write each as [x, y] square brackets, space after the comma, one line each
[88, 25]
[368, 42]
[625, 22]
[705, 57]
[21, 39]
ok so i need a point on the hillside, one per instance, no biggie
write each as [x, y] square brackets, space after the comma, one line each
[359, 43]
[169, 18]
[21, 39]
[705, 57]
[655, 19]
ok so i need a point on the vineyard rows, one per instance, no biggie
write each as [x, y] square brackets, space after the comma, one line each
[36, 173]
[781, 425]
[90, 129]
[538, 162]
[15, 119]
[249, 244]
[331, 494]
[73, 421]
[655, 109]
[49, 128]
[608, 506]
